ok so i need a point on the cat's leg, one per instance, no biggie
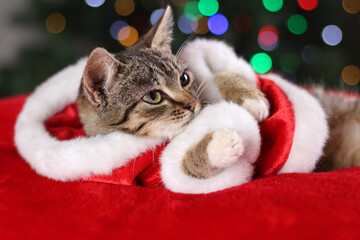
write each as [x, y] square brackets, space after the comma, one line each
[235, 88]
[214, 152]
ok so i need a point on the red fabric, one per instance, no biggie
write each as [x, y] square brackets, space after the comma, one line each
[143, 170]
[286, 206]
[277, 132]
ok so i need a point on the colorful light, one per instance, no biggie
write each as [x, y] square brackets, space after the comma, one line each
[55, 23]
[243, 23]
[308, 4]
[311, 54]
[273, 5]
[351, 6]
[297, 24]
[218, 24]
[94, 3]
[191, 10]
[200, 26]
[123, 33]
[351, 75]
[289, 62]
[156, 15]
[115, 28]
[268, 37]
[208, 7]
[261, 62]
[331, 35]
[186, 25]
[132, 36]
[124, 7]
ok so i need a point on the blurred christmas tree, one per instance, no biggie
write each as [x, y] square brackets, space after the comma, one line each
[306, 40]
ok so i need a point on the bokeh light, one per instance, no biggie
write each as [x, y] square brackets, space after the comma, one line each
[243, 22]
[191, 10]
[308, 4]
[311, 54]
[200, 26]
[218, 24]
[273, 5]
[208, 7]
[186, 25]
[351, 6]
[123, 33]
[331, 35]
[297, 24]
[55, 23]
[351, 75]
[115, 28]
[268, 37]
[289, 62]
[261, 62]
[132, 36]
[124, 7]
[156, 15]
[94, 3]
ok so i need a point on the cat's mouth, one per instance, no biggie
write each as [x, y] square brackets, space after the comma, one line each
[193, 113]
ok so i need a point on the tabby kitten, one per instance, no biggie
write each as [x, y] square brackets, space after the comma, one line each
[146, 91]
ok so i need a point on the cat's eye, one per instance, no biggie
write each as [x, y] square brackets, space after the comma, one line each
[153, 97]
[184, 79]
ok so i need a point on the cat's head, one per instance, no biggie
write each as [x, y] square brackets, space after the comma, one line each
[143, 90]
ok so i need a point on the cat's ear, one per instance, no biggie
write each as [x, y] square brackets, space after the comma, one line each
[98, 75]
[160, 35]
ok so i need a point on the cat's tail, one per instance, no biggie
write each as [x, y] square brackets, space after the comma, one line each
[343, 111]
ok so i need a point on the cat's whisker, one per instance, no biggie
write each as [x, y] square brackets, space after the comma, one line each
[200, 86]
[184, 44]
[205, 87]
[201, 89]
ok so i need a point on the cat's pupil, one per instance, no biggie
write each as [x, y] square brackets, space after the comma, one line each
[184, 79]
[153, 96]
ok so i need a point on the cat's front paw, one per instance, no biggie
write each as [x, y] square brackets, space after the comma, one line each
[260, 108]
[225, 147]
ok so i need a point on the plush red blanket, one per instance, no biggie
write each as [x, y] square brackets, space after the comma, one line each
[287, 206]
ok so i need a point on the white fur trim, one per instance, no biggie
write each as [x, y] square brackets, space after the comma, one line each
[311, 128]
[232, 116]
[206, 57]
[72, 159]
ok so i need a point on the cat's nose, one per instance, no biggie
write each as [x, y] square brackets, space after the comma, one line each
[191, 105]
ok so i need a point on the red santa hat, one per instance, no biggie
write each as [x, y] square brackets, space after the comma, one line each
[290, 140]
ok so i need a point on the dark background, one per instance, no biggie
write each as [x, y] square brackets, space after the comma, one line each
[29, 53]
